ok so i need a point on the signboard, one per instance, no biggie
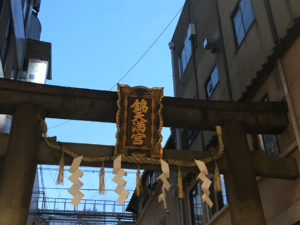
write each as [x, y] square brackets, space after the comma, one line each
[139, 121]
[37, 71]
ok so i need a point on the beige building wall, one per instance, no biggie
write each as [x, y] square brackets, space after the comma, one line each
[250, 72]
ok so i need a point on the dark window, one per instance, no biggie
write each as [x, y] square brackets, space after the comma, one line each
[196, 204]
[184, 56]
[1, 5]
[242, 20]
[212, 82]
[188, 136]
[5, 44]
[218, 198]
[268, 143]
[191, 135]
[25, 10]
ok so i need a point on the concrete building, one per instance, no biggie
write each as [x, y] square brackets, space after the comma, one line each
[21, 48]
[22, 55]
[234, 50]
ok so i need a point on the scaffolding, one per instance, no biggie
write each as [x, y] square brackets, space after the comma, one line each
[58, 211]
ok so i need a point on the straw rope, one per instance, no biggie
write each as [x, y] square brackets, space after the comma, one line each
[134, 159]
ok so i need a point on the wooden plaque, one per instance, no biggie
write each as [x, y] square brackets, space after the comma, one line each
[139, 121]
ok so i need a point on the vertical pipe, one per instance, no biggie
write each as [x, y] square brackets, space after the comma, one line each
[18, 173]
[241, 186]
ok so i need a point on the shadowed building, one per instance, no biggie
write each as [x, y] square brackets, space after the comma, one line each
[232, 50]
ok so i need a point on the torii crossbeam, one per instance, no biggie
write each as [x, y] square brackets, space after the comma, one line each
[24, 148]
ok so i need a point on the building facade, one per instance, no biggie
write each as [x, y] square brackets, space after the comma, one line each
[20, 45]
[234, 50]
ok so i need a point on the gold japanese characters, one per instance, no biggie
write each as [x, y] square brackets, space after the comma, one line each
[139, 121]
[139, 108]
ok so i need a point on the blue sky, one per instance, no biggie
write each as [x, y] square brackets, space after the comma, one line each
[93, 45]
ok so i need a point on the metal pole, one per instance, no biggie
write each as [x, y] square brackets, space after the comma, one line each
[19, 167]
[241, 186]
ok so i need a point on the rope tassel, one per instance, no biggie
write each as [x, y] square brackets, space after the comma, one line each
[101, 180]
[179, 184]
[60, 176]
[138, 182]
[217, 180]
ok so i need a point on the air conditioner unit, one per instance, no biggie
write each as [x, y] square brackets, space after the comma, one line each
[191, 32]
[211, 44]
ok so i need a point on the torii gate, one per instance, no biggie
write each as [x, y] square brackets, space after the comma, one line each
[24, 148]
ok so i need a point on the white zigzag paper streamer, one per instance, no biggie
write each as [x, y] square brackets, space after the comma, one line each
[119, 173]
[205, 182]
[166, 185]
[77, 184]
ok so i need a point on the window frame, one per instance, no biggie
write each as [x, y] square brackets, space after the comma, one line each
[218, 198]
[209, 79]
[237, 9]
[262, 138]
[191, 196]
[182, 70]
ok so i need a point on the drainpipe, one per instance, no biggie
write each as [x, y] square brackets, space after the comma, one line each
[289, 101]
[177, 131]
[193, 40]
[174, 75]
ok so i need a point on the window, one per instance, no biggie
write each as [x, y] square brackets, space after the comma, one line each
[242, 20]
[191, 135]
[25, 10]
[268, 143]
[5, 44]
[185, 55]
[188, 136]
[196, 204]
[1, 5]
[212, 82]
[200, 210]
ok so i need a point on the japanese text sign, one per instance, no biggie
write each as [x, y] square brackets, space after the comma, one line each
[139, 121]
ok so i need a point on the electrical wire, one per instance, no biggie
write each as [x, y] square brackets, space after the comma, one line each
[134, 65]
[85, 189]
[148, 49]
[86, 171]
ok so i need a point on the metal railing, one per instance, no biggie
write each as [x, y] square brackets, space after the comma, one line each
[63, 204]
[60, 211]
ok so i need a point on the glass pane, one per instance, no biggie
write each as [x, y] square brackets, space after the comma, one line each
[25, 8]
[223, 190]
[214, 77]
[209, 88]
[183, 59]
[247, 13]
[271, 144]
[180, 67]
[188, 49]
[239, 28]
[213, 80]
[181, 63]
[197, 205]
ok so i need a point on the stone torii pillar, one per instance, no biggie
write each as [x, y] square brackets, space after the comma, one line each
[241, 186]
[19, 167]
